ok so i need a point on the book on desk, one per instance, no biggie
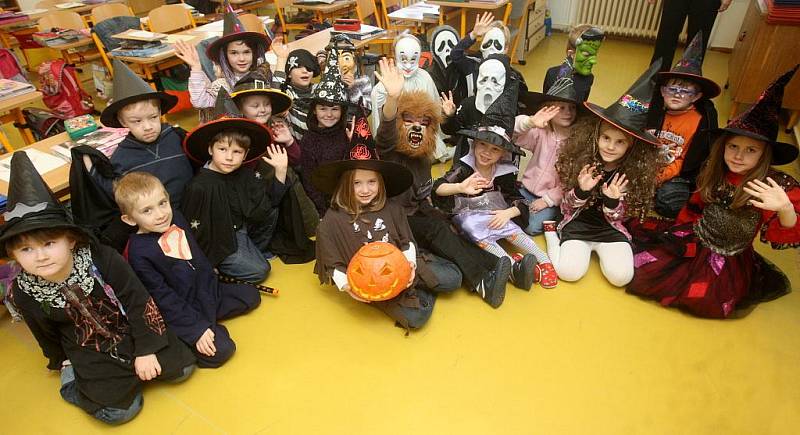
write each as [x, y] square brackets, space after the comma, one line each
[11, 88]
[366, 32]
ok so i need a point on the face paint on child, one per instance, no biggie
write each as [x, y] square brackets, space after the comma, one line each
[257, 107]
[407, 52]
[143, 119]
[491, 82]
[152, 212]
[494, 42]
[742, 153]
[612, 144]
[240, 56]
[487, 154]
[586, 56]
[328, 115]
[226, 157]
[365, 185]
[49, 259]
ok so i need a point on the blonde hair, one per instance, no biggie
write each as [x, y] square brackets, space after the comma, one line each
[134, 186]
[344, 198]
[712, 175]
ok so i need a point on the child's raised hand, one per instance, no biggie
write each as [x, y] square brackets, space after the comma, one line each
[448, 105]
[391, 77]
[280, 47]
[770, 196]
[147, 367]
[616, 187]
[542, 118]
[205, 344]
[282, 134]
[473, 185]
[349, 130]
[188, 53]
[277, 158]
[482, 23]
[586, 178]
[499, 220]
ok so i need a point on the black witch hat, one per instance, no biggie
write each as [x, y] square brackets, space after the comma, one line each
[629, 112]
[562, 89]
[760, 121]
[254, 83]
[691, 67]
[497, 124]
[31, 204]
[130, 88]
[363, 155]
[226, 117]
[331, 88]
[233, 30]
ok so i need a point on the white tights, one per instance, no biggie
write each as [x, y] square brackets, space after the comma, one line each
[571, 259]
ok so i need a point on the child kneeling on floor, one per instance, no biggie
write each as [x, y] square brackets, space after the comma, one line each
[90, 315]
[170, 263]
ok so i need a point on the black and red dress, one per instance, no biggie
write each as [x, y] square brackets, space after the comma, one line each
[705, 263]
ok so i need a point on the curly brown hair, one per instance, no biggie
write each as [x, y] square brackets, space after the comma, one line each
[640, 164]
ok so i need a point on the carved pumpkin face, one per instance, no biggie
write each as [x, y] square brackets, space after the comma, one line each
[378, 272]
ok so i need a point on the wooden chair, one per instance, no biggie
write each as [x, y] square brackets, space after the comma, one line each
[111, 10]
[389, 6]
[252, 23]
[70, 20]
[280, 8]
[170, 19]
[367, 12]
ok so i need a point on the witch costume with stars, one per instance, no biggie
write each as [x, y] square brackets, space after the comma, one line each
[233, 215]
[705, 264]
[100, 318]
[341, 234]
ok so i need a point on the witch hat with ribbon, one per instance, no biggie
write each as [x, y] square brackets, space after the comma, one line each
[629, 112]
[226, 117]
[691, 67]
[760, 121]
[562, 89]
[130, 88]
[362, 155]
[255, 83]
[233, 30]
[31, 204]
[497, 124]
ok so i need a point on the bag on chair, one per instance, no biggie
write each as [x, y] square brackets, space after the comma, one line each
[62, 90]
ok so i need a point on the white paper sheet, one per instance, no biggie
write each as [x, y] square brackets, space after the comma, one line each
[43, 163]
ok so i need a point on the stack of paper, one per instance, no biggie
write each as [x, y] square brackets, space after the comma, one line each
[10, 88]
[43, 163]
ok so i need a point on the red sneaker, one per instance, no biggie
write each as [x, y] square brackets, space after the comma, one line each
[546, 275]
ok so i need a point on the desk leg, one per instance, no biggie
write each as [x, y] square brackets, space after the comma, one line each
[25, 132]
[5, 142]
[148, 75]
[463, 22]
[506, 14]
[441, 15]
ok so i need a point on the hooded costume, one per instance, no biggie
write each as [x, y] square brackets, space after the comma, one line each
[232, 215]
[442, 69]
[100, 318]
[705, 263]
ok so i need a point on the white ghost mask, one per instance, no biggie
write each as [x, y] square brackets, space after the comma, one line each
[442, 43]
[406, 54]
[491, 82]
[494, 41]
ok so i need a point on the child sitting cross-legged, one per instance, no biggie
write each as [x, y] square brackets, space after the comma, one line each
[170, 263]
[230, 204]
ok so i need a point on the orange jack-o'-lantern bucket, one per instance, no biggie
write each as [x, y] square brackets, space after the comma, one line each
[378, 272]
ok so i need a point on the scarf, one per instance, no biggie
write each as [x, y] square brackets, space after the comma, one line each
[48, 293]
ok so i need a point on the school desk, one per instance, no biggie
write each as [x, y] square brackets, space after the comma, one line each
[322, 10]
[14, 106]
[477, 6]
[57, 179]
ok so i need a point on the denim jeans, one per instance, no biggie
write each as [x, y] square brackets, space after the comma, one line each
[247, 263]
[113, 416]
[447, 274]
[536, 219]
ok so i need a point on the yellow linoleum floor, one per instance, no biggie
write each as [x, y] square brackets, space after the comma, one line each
[584, 358]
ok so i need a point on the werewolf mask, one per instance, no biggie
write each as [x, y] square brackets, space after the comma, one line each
[418, 119]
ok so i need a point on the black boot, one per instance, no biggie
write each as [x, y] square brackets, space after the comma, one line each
[492, 287]
[522, 271]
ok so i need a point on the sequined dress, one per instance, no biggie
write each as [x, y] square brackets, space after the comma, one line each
[706, 264]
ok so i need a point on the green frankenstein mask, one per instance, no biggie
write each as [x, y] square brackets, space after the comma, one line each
[586, 50]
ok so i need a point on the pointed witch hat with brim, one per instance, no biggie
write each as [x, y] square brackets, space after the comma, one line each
[760, 121]
[562, 90]
[226, 117]
[233, 30]
[128, 89]
[31, 204]
[690, 67]
[363, 155]
[629, 112]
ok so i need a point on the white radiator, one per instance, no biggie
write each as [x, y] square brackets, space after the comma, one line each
[628, 18]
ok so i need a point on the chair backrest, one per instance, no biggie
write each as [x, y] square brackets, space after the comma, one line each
[102, 34]
[367, 12]
[387, 7]
[111, 10]
[62, 20]
[141, 6]
[170, 18]
[252, 23]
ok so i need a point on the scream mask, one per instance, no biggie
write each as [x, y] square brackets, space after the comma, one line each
[406, 53]
[443, 40]
[491, 82]
[418, 119]
[586, 48]
[494, 41]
